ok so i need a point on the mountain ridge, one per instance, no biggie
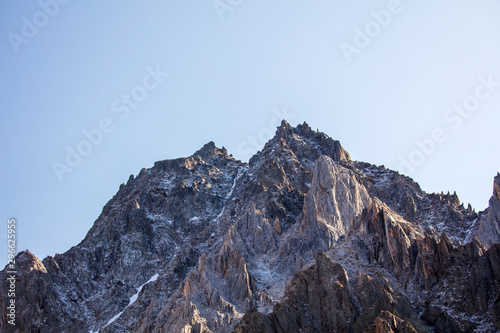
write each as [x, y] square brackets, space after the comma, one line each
[228, 240]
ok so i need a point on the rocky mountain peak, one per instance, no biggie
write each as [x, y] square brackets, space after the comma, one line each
[30, 261]
[496, 187]
[303, 144]
[304, 129]
[284, 128]
[210, 151]
[286, 131]
[300, 239]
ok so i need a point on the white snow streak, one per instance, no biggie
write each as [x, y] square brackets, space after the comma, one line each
[132, 299]
[238, 175]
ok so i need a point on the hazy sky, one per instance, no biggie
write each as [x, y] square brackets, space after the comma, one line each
[123, 84]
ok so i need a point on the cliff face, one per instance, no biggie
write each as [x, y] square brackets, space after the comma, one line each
[300, 239]
[487, 228]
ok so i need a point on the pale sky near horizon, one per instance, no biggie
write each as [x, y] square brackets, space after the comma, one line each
[391, 80]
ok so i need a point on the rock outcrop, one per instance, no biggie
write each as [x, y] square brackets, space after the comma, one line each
[488, 225]
[334, 200]
[321, 298]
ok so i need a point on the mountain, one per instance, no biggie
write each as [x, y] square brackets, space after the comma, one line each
[300, 239]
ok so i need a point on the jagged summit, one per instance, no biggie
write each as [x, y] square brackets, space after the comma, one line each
[285, 130]
[300, 239]
[304, 130]
[209, 151]
[28, 259]
[301, 143]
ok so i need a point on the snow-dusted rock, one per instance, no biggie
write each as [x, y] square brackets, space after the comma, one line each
[299, 238]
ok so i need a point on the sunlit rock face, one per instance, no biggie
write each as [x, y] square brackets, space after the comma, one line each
[300, 239]
[487, 228]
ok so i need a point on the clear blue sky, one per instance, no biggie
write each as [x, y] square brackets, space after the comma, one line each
[375, 75]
